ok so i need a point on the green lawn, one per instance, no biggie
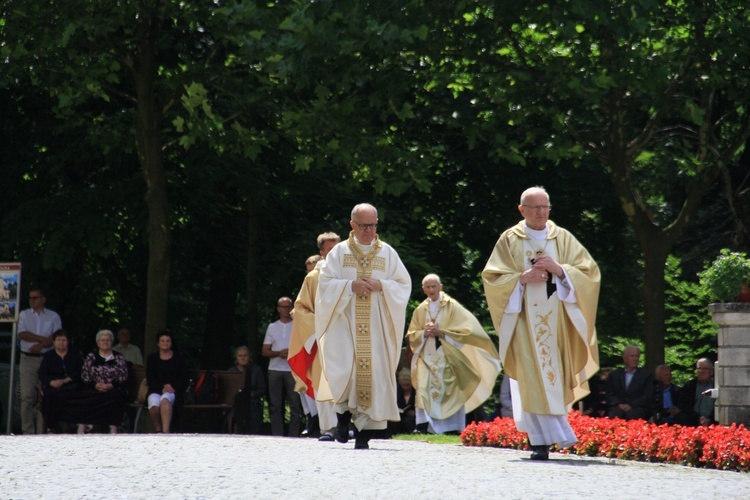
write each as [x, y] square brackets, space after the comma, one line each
[429, 438]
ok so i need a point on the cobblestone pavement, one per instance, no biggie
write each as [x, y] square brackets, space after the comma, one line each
[220, 466]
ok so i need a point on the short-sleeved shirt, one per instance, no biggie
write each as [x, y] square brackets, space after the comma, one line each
[44, 324]
[278, 335]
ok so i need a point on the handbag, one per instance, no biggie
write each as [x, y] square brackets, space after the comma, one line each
[189, 396]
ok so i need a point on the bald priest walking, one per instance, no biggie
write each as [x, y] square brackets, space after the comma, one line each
[542, 288]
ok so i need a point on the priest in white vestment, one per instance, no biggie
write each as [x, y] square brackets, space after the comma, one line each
[360, 308]
[542, 288]
[455, 363]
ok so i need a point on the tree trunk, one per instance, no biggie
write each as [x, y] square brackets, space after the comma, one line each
[217, 339]
[655, 241]
[149, 145]
[655, 257]
[253, 340]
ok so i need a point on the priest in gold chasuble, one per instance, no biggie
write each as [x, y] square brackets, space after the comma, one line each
[360, 308]
[303, 355]
[455, 363]
[542, 288]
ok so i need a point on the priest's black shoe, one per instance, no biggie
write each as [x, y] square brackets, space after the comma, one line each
[313, 427]
[342, 427]
[420, 429]
[540, 452]
[362, 440]
[362, 444]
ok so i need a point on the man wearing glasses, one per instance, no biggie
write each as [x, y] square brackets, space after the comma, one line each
[542, 288]
[697, 403]
[360, 312]
[280, 379]
[35, 328]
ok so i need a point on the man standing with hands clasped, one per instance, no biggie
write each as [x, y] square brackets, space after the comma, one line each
[35, 328]
[542, 288]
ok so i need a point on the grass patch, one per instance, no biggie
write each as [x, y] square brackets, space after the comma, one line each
[429, 438]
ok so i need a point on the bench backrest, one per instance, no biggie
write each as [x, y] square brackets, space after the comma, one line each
[230, 383]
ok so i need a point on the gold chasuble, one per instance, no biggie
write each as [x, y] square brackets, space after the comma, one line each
[303, 348]
[550, 345]
[360, 335]
[462, 371]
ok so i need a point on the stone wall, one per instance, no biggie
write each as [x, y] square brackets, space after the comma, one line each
[733, 370]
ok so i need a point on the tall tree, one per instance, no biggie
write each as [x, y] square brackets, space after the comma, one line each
[649, 89]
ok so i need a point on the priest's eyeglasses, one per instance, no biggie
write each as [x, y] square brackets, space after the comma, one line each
[539, 208]
[365, 227]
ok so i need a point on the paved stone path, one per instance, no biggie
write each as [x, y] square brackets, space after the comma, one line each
[219, 466]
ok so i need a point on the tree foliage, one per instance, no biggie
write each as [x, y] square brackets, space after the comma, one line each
[170, 163]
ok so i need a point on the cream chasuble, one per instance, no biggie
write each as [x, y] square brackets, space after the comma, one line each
[548, 344]
[304, 358]
[460, 374]
[303, 349]
[360, 335]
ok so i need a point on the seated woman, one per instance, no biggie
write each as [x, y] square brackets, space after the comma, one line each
[167, 375]
[60, 376]
[105, 373]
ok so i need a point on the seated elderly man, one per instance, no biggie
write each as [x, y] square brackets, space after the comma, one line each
[631, 389]
[455, 363]
[668, 399]
[248, 406]
[696, 403]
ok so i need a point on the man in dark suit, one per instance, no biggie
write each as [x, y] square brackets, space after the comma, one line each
[631, 389]
[696, 403]
[667, 402]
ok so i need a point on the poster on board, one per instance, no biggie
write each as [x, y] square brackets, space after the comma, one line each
[10, 283]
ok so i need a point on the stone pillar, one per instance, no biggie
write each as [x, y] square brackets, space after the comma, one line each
[733, 370]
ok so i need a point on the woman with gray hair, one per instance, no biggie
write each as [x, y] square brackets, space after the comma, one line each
[105, 373]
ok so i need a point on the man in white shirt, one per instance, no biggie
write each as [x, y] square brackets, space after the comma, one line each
[35, 328]
[280, 379]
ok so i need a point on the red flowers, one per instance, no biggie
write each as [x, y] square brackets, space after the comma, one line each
[714, 447]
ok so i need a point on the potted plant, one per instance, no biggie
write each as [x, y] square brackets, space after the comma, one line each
[726, 279]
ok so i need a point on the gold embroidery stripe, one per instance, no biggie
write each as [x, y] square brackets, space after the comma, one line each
[350, 260]
[378, 264]
[363, 341]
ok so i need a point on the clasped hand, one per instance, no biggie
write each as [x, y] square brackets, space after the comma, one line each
[366, 286]
[540, 271]
[102, 386]
[432, 329]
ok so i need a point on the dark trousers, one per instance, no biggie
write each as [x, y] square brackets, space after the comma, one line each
[281, 384]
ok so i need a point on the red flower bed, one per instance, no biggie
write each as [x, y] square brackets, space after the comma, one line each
[714, 447]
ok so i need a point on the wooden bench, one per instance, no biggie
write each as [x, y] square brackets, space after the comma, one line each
[230, 384]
